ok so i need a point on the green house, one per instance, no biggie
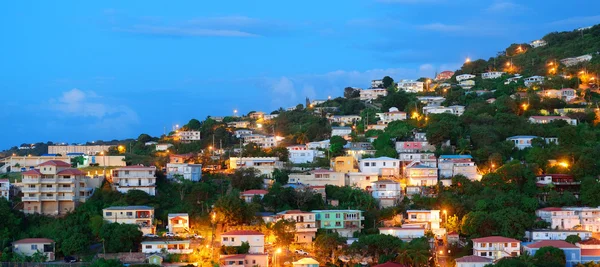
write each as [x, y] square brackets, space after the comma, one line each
[344, 222]
[155, 259]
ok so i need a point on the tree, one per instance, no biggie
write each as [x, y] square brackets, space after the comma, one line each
[350, 92]
[120, 237]
[550, 256]
[327, 246]
[573, 239]
[106, 263]
[246, 178]
[336, 146]
[280, 176]
[285, 231]
[232, 210]
[387, 81]
[193, 124]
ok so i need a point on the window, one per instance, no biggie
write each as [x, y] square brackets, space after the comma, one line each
[108, 213]
[233, 239]
[126, 172]
[129, 213]
[366, 164]
[482, 245]
[148, 246]
[384, 164]
[337, 215]
[514, 245]
[326, 216]
[253, 261]
[33, 247]
[225, 239]
[338, 224]
[483, 254]
[150, 172]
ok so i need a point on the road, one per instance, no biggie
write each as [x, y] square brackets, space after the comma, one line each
[442, 256]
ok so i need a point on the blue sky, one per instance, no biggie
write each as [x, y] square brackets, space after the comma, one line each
[76, 71]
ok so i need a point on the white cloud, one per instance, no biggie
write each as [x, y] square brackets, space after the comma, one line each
[77, 103]
[183, 31]
[504, 6]
[441, 27]
[582, 21]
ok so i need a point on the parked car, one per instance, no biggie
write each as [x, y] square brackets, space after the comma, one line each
[170, 235]
[70, 259]
[151, 235]
[301, 252]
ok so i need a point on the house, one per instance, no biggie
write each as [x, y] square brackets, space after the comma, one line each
[255, 239]
[372, 93]
[551, 234]
[256, 115]
[361, 180]
[496, 247]
[136, 177]
[431, 100]
[319, 177]
[426, 159]
[376, 83]
[306, 224]
[464, 77]
[318, 145]
[524, 141]
[263, 141]
[101, 160]
[178, 223]
[88, 150]
[5, 188]
[549, 119]
[248, 195]
[163, 147]
[266, 165]
[188, 136]
[453, 238]
[182, 158]
[187, 171]
[155, 259]
[444, 75]
[169, 245]
[341, 131]
[25, 163]
[421, 175]
[393, 114]
[467, 84]
[410, 86]
[429, 218]
[54, 188]
[492, 74]
[572, 61]
[305, 262]
[387, 192]
[452, 165]
[244, 260]
[565, 94]
[590, 250]
[377, 126]
[514, 79]
[558, 218]
[142, 216]
[414, 147]
[572, 252]
[151, 143]
[344, 119]
[239, 124]
[533, 80]
[538, 43]
[344, 164]
[406, 234]
[268, 117]
[384, 166]
[472, 261]
[344, 222]
[30, 246]
[242, 132]
[301, 154]
[456, 110]
[359, 152]
[558, 183]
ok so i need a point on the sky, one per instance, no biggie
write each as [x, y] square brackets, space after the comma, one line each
[77, 71]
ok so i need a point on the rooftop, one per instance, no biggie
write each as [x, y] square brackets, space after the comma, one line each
[33, 241]
[455, 157]
[496, 239]
[552, 243]
[473, 258]
[130, 208]
[58, 163]
[243, 232]
[255, 192]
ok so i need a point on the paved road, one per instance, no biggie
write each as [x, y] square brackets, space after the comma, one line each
[442, 258]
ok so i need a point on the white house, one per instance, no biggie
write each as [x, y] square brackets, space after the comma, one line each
[410, 86]
[492, 75]
[376, 83]
[163, 147]
[372, 93]
[431, 100]
[551, 234]
[464, 77]
[456, 110]
[248, 195]
[255, 239]
[384, 166]
[467, 84]
[178, 223]
[188, 171]
[452, 165]
[524, 141]
[472, 261]
[392, 115]
[135, 177]
[344, 119]
[566, 94]
[301, 154]
[266, 165]
[5, 188]
[242, 132]
[306, 224]
[534, 80]
[239, 124]
[430, 218]
[264, 141]
[361, 180]
[188, 135]
[567, 218]
[270, 116]
[513, 79]
[244, 260]
[341, 131]
[572, 61]
[318, 145]
[406, 234]
[171, 246]
[548, 119]
[496, 247]
[30, 246]
[319, 177]
[386, 191]
[421, 175]
[142, 216]
[538, 43]
[426, 159]
[151, 143]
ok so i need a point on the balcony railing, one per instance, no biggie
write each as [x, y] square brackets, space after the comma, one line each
[48, 198]
[66, 180]
[30, 189]
[66, 189]
[48, 180]
[31, 180]
[48, 189]
[34, 198]
[67, 198]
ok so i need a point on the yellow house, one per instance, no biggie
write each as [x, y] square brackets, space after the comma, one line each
[344, 164]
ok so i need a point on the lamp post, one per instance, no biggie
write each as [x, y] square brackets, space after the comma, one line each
[275, 258]
[212, 236]
[446, 218]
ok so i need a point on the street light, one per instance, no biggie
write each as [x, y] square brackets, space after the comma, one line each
[467, 60]
[446, 219]
[278, 251]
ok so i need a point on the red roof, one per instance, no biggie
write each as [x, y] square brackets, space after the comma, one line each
[390, 264]
[453, 233]
[590, 252]
[32, 172]
[552, 243]
[70, 172]
[591, 241]
[551, 209]
[495, 239]
[57, 163]
[255, 192]
[3, 180]
[243, 232]
[473, 258]
[33, 241]
[294, 212]
[234, 257]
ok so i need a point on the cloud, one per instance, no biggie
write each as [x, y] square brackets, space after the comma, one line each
[183, 31]
[504, 6]
[441, 27]
[581, 21]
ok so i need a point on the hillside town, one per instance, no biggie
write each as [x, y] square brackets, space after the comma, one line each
[488, 165]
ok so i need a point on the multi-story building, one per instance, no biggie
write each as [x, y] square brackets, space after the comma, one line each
[244, 260]
[188, 136]
[473, 261]
[5, 188]
[377, 84]
[264, 141]
[420, 175]
[552, 234]
[163, 147]
[452, 165]
[431, 100]
[572, 61]
[318, 145]
[410, 86]
[549, 119]
[344, 164]
[392, 115]
[187, 171]
[178, 223]
[492, 75]
[464, 77]
[372, 93]
[387, 192]
[248, 195]
[54, 188]
[238, 124]
[135, 177]
[344, 119]
[572, 252]
[319, 177]
[558, 218]
[467, 84]
[444, 75]
[344, 222]
[361, 180]
[565, 94]
[456, 110]
[30, 246]
[301, 154]
[405, 233]
[496, 247]
[242, 132]
[384, 166]
[142, 216]
[266, 165]
[538, 43]
[21, 164]
[255, 239]
[170, 246]
[341, 131]
[88, 150]
[533, 80]
[558, 183]
[426, 159]
[429, 218]
[256, 115]
[306, 224]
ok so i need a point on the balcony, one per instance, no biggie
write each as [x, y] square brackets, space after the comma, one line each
[48, 198]
[180, 251]
[305, 229]
[31, 180]
[66, 198]
[66, 180]
[30, 189]
[48, 180]
[34, 198]
[48, 189]
[66, 189]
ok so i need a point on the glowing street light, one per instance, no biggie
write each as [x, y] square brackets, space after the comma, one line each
[564, 164]
[525, 106]
[467, 60]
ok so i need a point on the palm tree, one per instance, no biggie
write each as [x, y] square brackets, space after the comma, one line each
[302, 138]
